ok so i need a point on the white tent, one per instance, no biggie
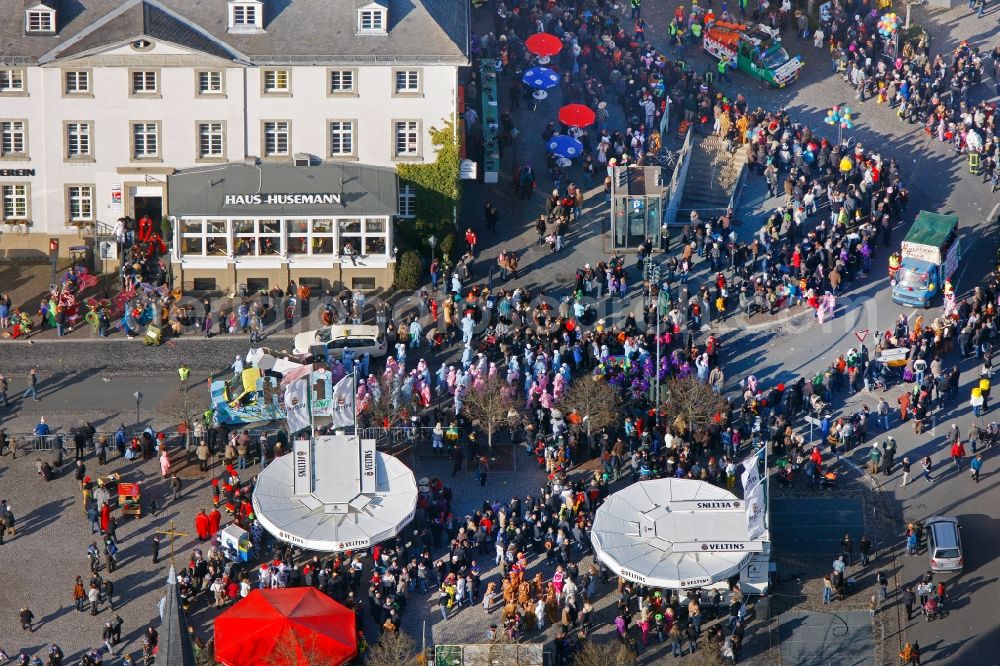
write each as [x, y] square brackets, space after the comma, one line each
[335, 493]
[674, 533]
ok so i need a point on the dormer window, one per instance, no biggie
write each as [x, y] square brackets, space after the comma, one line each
[372, 19]
[246, 16]
[39, 18]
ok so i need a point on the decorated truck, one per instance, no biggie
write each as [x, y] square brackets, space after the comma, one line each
[930, 255]
[756, 49]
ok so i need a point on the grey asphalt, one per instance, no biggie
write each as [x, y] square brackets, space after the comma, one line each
[824, 638]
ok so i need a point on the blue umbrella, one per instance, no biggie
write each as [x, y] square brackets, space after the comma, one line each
[540, 78]
[565, 146]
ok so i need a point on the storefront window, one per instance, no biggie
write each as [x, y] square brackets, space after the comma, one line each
[376, 237]
[350, 233]
[257, 238]
[313, 237]
[204, 238]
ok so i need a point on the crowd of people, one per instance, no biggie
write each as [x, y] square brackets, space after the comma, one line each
[935, 92]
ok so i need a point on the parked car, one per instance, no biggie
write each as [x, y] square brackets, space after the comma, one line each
[359, 339]
[944, 543]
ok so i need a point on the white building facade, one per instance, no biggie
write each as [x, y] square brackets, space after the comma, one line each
[97, 108]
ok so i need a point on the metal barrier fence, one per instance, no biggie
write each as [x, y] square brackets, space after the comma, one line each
[29, 441]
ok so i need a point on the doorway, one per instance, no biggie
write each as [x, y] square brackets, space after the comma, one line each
[151, 206]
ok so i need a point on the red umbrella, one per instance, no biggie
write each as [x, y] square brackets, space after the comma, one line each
[576, 115]
[543, 44]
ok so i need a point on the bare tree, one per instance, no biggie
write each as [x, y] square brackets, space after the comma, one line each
[595, 402]
[609, 653]
[393, 649]
[692, 405]
[488, 405]
[386, 408]
[292, 649]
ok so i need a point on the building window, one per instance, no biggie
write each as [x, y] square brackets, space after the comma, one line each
[371, 20]
[11, 81]
[341, 138]
[277, 82]
[78, 140]
[407, 138]
[14, 138]
[276, 138]
[407, 81]
[367, 236]
[77, 82]
[15, 202]
[204, 238]
[40, 21]
[244, 16]
[144, 82]
[257, 238]
[145, 140]
[341, 81]
[211, 140]
[80, 203]
[311, 237]
[204, 284]
[210, 82]
[407, 201]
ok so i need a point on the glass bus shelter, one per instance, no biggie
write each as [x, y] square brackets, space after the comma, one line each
[638, 199]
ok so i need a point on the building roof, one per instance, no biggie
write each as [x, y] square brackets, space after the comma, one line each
[362, 190]
[295, 32]
[174, 647]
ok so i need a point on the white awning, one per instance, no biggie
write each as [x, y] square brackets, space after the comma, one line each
[674, 533]
[339, 509]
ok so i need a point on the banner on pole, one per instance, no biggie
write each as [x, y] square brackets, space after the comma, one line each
[342, 402]
[297, 404]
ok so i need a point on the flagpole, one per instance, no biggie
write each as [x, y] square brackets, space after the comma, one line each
[354, 397]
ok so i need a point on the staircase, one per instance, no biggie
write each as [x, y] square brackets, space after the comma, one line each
[712, 177]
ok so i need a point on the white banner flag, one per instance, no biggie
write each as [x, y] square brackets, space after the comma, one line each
[342, 405]
[297, 404]
[753, 497]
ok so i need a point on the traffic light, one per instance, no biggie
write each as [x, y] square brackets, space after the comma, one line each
[53, 246]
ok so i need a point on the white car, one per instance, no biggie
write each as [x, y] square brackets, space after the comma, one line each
[359, 339]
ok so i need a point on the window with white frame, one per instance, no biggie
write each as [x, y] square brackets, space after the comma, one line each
[244, 15]
[80, 203]
[13, 138]
[407, 138]
[371, 19]
[144, 82]
[367, 236]
[210, 82]
[145, 140]
[40, 20]
[204, 238]
[76, 82]
[407, 81]
[341, 137]
[407, 201]
[341, 81]
[311, 237]
[211, 140]
[11, 81]
[277, 81]
[78, 140]
[276, 138]
[15, 202]
[257, 238]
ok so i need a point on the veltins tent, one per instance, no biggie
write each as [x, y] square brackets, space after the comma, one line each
[674, 533]
[295, 626]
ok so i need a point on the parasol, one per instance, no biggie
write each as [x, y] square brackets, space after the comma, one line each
[540, 78]
[576, 115]
[543, 44]
[564, 146]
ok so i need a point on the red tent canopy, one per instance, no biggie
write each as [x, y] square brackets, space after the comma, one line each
[543, 44]
[295, 626]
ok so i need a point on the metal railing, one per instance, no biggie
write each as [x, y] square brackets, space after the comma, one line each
[29, 441]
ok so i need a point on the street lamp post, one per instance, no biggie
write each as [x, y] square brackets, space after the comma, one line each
[432, 241]
[138, 399]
